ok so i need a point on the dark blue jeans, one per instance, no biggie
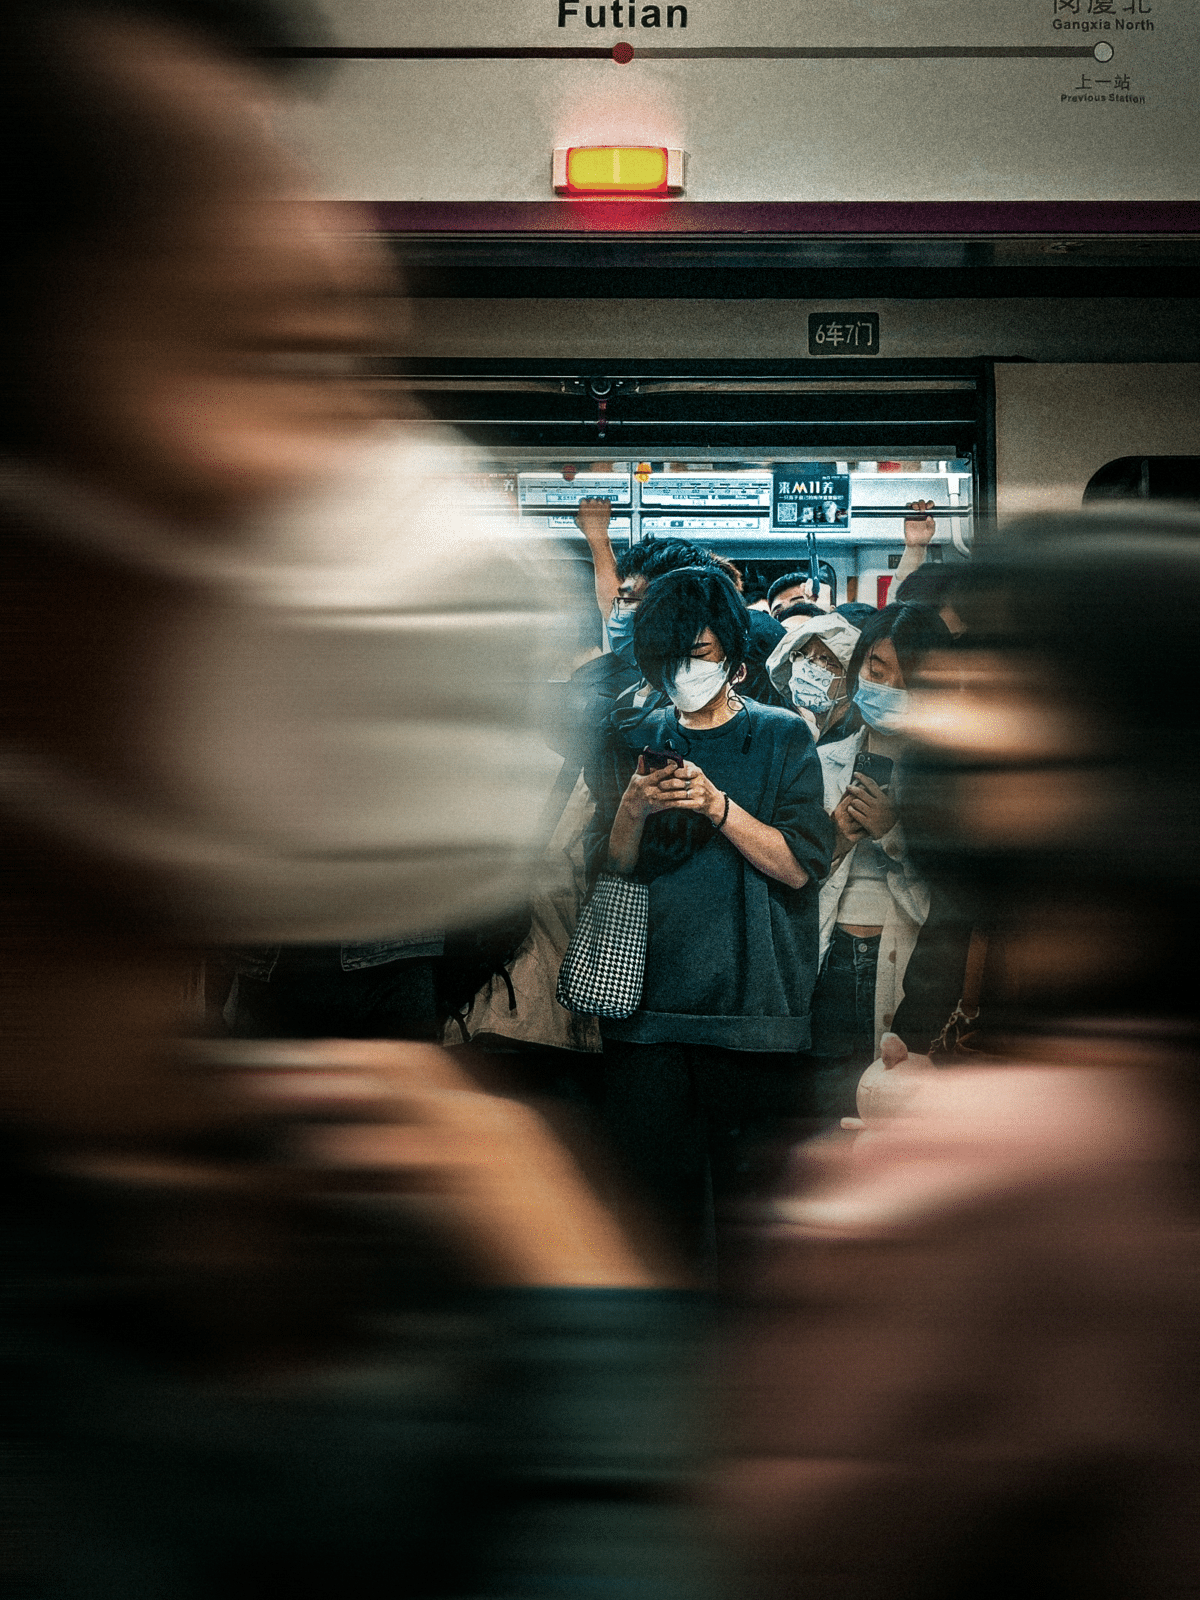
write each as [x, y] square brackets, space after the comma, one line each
[843, 1022]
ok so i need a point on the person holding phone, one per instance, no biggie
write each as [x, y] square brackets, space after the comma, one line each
[721, 815]
[872, 903]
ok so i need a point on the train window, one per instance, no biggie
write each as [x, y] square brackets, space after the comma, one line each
[1145, 478]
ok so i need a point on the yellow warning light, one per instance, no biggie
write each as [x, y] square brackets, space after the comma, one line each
[618, 169]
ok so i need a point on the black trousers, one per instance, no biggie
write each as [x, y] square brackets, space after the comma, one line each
[697, 1128]
[309, 996]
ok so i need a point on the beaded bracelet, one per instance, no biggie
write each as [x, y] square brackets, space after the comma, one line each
[724, 814]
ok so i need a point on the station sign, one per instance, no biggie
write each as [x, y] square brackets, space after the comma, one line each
[933, 103]
[843, 333]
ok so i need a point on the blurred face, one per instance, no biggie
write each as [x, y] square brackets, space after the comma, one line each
[194, 356]
[630, 590]
[996, 716]
[995, 713]
[182, 369]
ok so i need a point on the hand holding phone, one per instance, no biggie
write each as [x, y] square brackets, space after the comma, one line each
[868, 805]
[877, 768]
[644, 794]
[652, 760]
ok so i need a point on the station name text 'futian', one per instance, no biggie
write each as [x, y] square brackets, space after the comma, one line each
[624, 14]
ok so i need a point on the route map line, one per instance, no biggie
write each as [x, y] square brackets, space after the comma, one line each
[623, 53]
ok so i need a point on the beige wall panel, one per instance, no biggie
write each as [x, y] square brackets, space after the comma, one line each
[920, 129]
[637, 330]
[1056, 425]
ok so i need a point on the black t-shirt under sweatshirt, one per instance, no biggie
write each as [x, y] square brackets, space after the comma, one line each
[731, 956]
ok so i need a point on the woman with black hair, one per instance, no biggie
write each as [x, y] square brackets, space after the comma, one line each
[872, 904]
[731, 837]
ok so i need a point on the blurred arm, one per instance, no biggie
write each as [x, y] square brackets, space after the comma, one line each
[402, 1120]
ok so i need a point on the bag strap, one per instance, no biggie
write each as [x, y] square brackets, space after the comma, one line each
[951, 1041]
[557, 800]
[972, 989]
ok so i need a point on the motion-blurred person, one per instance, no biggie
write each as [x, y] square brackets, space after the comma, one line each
[725, 824]
[974, 1367]
[304, 1319]
[873, 902]
[364, 989]
[810, 666]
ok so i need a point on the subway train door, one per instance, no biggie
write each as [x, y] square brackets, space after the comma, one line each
[762, 467]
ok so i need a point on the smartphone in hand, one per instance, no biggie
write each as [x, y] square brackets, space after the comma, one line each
[655, 760]
[877, 768]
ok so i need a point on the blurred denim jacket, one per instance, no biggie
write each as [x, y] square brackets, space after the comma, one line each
[259, 961]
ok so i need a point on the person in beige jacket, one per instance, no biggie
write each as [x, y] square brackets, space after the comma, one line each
[872, 904]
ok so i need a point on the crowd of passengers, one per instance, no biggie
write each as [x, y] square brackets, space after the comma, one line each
[783, 907]
[324, 1310]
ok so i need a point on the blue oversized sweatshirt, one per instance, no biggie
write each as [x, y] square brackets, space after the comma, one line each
[731, 956]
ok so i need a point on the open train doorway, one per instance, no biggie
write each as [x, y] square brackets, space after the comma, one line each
[772, 470]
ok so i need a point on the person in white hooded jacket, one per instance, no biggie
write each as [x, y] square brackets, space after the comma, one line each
[872, 904]
[808, 668]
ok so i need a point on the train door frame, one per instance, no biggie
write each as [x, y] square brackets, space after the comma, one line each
[817, 410]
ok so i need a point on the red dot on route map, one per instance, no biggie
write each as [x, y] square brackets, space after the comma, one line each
[623, 52]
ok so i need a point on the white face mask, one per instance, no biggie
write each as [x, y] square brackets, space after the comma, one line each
[268, 780]
[696, 683]
[812, 685]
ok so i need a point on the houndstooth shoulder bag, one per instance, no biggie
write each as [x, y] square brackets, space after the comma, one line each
[602, 971]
